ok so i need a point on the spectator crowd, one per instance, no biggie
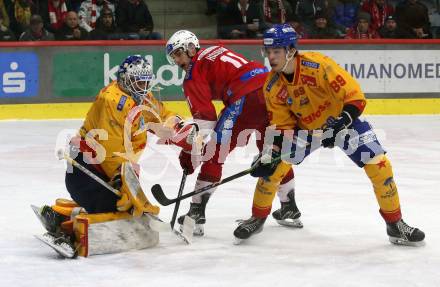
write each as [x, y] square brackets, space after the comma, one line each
[39, 20]
[330, 19]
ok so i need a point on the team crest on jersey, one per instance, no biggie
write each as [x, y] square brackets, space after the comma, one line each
[310, 64]
[121, 103]
[282, 95]
[272, 81]
[308, 80]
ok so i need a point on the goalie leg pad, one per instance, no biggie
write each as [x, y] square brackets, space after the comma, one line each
[132, 188]
[63, 202]
[105, 233]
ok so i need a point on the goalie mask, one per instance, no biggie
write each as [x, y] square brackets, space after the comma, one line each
[180, 40]
[134, 77]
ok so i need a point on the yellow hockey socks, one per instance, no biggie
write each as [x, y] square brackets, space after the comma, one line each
[380, 172]
[266, 189]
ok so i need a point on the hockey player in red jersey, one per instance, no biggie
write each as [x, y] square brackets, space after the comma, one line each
[217, 73]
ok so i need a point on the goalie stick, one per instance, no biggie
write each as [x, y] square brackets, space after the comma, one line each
[157, 223]
[91, 174]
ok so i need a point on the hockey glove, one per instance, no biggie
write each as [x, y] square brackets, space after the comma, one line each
[349, 114]
[185, 135]
[264, 165]
[188, 161]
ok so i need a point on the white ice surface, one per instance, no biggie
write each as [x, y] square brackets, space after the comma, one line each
[343, 242]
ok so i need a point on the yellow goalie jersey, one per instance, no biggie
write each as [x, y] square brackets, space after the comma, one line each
[314, 98]
[113, 112]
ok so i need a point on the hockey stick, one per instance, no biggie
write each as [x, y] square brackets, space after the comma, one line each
[158, 224]
[179, 194]
[91, 174]
[160, 196]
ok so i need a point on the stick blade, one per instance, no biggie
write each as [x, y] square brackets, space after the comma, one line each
[159, 195]
[188, 229]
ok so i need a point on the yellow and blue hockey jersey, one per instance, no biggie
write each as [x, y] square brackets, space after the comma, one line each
[316, 95]
[112, 112]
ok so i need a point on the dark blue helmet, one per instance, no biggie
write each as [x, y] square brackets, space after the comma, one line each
[279, 36]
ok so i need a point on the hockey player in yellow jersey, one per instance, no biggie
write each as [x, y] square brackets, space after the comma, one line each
[115, 131]
[113, 135]
[313, 102]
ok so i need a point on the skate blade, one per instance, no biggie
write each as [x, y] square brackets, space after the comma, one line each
[238, 241]
[183, 237]
[158, 225]
[63, 250]
[296, 223]
[400, 241]
[186, 229]
[194, 229]
[36, 210]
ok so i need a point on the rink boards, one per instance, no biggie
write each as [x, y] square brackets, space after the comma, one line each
[79, 110]
[59, 80]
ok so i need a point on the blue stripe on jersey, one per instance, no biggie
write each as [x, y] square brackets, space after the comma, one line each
[188, 75]
[252, 73]
[272, 81]
[121, 103]
[227, 120]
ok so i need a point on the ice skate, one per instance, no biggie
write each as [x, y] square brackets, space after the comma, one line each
[401, 233]
[60, 242]
[288, 214]
[197, 213]
[50, 219]
[247, 228]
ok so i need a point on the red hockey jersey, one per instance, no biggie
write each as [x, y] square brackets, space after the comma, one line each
[217, 73]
